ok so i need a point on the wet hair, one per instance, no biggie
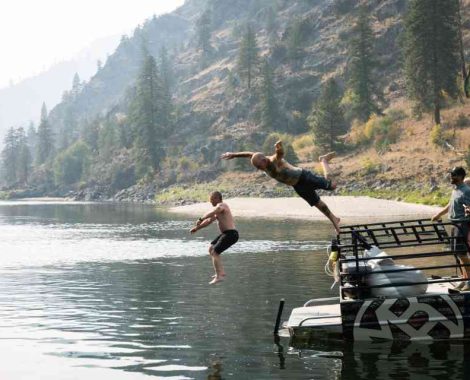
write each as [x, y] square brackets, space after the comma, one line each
[458, 171]
[217, 194]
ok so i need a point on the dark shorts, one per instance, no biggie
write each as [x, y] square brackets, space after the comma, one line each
[224, 241]
[460, 233]
[308, 183]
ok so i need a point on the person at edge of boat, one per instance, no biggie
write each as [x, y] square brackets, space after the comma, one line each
[303, 181]
[456, 210]
[228, 232]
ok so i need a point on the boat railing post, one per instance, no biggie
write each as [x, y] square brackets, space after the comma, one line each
[278, 318]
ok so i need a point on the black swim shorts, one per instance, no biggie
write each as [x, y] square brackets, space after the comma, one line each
[224, 241]
[460, 234]
[308, 183]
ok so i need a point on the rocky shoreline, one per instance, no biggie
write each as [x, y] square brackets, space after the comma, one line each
[177, 195]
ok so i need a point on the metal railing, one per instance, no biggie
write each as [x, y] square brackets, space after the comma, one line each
[392, 235]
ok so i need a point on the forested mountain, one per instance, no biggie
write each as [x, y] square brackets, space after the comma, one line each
[218, 75]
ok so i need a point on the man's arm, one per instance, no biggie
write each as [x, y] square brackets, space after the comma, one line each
[445, 210]
[230, 155]
[279, 150]
[201, 224]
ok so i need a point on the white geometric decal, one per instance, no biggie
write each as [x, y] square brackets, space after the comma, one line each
[386, 317]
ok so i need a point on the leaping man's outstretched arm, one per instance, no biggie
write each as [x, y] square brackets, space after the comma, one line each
[230, 155]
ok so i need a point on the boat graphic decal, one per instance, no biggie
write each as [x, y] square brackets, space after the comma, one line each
[415, 318]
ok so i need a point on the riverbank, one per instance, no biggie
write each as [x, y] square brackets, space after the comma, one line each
[348, 208]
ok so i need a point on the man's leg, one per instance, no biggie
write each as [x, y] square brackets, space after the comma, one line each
[325, 160]
[327, 212]
[217, 264]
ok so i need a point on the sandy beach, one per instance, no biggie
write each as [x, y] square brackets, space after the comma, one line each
[348, 208]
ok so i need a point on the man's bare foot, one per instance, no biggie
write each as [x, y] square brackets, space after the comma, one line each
[327, 157]
[215, 280]
[336, 224]
[221, 275]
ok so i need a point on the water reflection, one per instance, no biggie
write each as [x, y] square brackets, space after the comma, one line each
[389, 360]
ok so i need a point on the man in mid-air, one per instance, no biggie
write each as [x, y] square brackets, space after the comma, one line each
[303, 181]
[228, 233]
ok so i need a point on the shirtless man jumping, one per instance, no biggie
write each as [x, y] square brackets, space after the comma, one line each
[227, 237]
[303, 181]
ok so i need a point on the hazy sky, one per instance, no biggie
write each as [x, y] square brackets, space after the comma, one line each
[34, 34]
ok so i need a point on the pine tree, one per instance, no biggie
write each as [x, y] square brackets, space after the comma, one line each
[327, 119]
[16, 157]
[362, 82]
[45, 144]
[268, 100]
[146, 117]
[294, 40]
[9, 161]
[247, 56]
[431, 51]
[203, 31]
[23, 158]
[167, 81]
[76, 85]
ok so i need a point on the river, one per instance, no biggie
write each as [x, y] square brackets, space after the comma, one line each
[119, 291]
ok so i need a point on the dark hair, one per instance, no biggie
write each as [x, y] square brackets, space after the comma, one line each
[218, 194]
[458, 171]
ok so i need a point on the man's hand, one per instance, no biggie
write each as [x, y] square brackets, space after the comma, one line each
[227, 156]
[193, 230]
[436, 217]
[199, 221]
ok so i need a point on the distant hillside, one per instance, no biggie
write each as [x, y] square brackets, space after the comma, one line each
[21, 103]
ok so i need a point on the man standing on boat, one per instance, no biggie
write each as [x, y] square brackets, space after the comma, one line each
[303, 181]
[456, 210]
[228, 233]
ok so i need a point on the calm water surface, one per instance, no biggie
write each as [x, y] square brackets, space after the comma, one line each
[106, 291]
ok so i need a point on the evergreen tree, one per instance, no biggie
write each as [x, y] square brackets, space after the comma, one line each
[203, 31]
[294, 40]
[32, 137]
[268, 100]
[166, 90]
[146, 117]
[16, 158]
[327, 119]
[363, 83]
[76, 85]
[23, 158]
[9, 161]
[45, 144]
[431, 50]
[247, 56]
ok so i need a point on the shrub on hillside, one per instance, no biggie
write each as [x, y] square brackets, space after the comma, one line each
[462, 121]
[370, 166]
[439, 136]
[379, 131]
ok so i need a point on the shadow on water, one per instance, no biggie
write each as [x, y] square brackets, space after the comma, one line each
[388, 360]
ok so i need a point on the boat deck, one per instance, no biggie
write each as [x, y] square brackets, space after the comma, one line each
[329, 316]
